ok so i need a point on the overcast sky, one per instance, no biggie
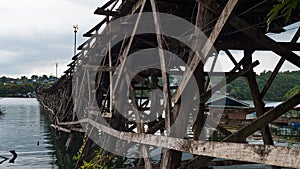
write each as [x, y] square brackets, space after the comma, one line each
[35, 34]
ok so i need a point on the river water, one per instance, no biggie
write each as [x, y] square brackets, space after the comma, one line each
[25, 129]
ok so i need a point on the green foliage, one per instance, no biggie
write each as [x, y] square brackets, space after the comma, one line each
[21, 86]
[98, 162]
[295, 90]
[285, 8]
[283, 83]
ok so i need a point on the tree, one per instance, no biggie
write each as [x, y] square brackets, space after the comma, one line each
[295, 90]
[34, 77]
[285, 8]
[3, 79]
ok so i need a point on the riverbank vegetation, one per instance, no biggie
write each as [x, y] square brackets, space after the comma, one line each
[24, 86]
[285, 85]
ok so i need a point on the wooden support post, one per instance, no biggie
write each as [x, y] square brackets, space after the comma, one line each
[170, 159]
[139, 124]
[207, 47]
[272, 77]
[200, 119]
[277, 68]
[123, 57]
[232, 59]
[257, 100]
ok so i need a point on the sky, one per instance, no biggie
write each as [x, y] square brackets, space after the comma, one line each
[36, 34]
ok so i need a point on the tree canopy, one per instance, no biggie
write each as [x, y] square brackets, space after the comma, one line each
[284, 86]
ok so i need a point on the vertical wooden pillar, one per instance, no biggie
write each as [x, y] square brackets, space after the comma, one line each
[202, 20]
[200, 120]
[257, 99]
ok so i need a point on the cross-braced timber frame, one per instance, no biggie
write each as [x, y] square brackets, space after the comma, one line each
[229, 25]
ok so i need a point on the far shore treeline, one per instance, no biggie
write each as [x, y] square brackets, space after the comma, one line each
[285, 85]
[23, 86]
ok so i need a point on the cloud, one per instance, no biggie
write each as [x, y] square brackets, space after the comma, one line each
[35, 34]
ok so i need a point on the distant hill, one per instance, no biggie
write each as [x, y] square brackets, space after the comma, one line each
[279, 90]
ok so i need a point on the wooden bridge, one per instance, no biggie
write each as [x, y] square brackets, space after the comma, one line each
[229, 25]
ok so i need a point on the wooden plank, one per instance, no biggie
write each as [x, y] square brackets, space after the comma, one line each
[268, 117]
[95, 28]
[265, 41]
[232, 59]
[257, 100]
[99, 68]
[207, 47]
[168, 158]
[249, 129]
[278, 66]
[123, 57]
[296, 36]
[272, 77]
[264, 154]
[139, 123]
[67, 130]
[100, 11]
[108, 4]
[229, 79]
[136, 6]
[229, 44]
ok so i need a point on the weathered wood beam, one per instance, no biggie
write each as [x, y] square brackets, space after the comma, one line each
[123, 57]
[107, 4]
[136, 6]
[100, 11]
[264, 154]
[99, 68]
[95, 28]
[257, 100]
[268, 117]
[229, 79]
[265, 41]
[232, 59]
[169, 158]
[67, 130]
[207, 47]
[98, 26]
[272, 77]
[278, 66]
[139, 123]
[296, 36]
[247, 130]
[228, 44]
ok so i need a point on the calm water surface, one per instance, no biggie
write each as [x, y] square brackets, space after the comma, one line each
[22, 127]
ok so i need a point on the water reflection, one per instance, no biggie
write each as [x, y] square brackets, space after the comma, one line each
[21, 126]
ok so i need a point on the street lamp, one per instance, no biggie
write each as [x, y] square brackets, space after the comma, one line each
[56, 65]
[75, 27]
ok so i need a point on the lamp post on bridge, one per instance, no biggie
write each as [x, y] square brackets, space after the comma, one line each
[75, 27]
[56, 65]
